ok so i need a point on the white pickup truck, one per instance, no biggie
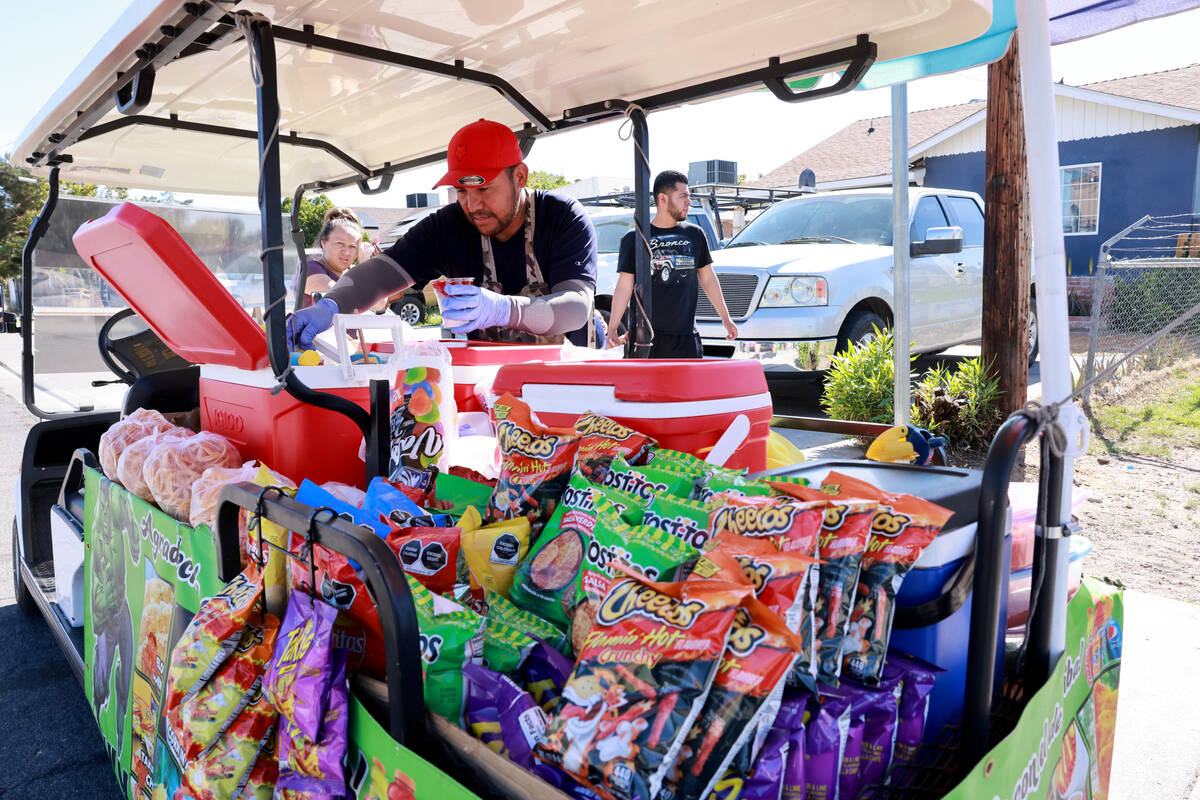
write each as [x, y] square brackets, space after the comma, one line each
[812, 275]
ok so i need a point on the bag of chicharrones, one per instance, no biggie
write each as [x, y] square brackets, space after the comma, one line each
[133, 458]
[125, 432]
[175, 464]
[206, 490]
[422, 412]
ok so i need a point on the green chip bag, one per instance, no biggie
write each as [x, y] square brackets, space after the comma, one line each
[651, 551]
[644, 482]
[451, 637]
[459, 493]
[687, 520]
[504, 645]
[545, 581]
[717, 484]
[503, 609]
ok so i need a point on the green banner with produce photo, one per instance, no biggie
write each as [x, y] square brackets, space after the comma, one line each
[145, 576]
[1062, 746]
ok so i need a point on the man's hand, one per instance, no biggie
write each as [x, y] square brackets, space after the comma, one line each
[475, 307]
[306, 323]
[614, 339]
[730, 328]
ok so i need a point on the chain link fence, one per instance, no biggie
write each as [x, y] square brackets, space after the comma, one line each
[1148, 278]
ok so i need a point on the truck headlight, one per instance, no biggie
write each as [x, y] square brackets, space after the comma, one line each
[791, 292]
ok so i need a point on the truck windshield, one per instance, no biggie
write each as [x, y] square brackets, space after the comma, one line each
[858, 219]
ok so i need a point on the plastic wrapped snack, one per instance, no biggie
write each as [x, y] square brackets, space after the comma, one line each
[903, 526]
[451, 637]
[602, 438]
[297, 681]
[640, 682]
[743, 702]
[536, 467]
[422, 415]
[431, 555]
[125, 432]
[315, 765]
[207, 488]
[492, 552]
[175, 464]
[133, 458]
[502, 715]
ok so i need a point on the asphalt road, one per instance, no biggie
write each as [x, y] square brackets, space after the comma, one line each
[50, 746]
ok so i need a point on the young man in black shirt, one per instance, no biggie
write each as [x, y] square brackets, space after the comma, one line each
[679, 265]
[532, 254]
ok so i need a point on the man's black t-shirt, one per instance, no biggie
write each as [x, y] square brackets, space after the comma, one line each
[446, 243]
[675, 255]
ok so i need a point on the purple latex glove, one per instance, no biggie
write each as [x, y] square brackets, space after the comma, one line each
[477, 307]
[306, 323]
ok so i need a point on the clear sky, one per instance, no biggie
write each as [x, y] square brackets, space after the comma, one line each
[41, 45]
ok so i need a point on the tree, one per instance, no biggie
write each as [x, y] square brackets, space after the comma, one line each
[21, 198]
[312, 213]
[538, 179]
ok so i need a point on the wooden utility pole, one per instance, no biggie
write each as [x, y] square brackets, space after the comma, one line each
[1006, 244]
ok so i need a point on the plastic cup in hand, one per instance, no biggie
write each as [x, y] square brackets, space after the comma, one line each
[439, 289]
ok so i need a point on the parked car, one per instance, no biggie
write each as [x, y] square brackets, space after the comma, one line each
[611, 226]
[812, 275]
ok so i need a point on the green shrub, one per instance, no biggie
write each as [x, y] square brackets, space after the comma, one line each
[859, 384]
[1150, 301]
[960, 404]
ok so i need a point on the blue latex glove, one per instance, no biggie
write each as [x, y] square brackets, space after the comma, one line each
[306, 323]
[475, 307]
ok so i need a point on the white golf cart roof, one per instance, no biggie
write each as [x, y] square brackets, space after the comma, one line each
[370, 116]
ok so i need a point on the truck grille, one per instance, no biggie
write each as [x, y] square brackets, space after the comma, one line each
[738, 291]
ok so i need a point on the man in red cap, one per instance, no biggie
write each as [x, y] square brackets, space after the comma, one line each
[531, 254]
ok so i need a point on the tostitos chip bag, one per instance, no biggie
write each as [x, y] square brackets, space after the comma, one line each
[645, 483]
[903, 526]
[546, 580]
[537, 461]
[503, 609]
[601, 439]
[640, 682]
[845, 531]
[743, 701]
[687, 520]
[493, 551]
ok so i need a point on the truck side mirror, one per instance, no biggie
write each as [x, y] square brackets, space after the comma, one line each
[939, 241]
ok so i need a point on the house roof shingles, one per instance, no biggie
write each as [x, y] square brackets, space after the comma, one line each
[852, 153]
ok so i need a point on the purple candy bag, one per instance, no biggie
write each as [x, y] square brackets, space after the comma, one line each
[793, 719]
[879, 734]
[297, 681]
[313, 770]
[544, 673]
[502, 714]
[563, 782]
[917, 679]
[824, 743]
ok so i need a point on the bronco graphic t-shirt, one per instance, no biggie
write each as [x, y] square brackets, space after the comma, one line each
[675, 255]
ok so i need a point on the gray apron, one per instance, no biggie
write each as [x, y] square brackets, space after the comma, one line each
[535, 286]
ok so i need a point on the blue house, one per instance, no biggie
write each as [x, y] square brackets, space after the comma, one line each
[1127, 148]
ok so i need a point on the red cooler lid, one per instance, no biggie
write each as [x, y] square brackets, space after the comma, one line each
[150, 265]
[643, 380]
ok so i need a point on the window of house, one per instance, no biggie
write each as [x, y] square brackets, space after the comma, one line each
[1080, 199]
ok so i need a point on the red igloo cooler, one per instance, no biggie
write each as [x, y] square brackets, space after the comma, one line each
[684, 404]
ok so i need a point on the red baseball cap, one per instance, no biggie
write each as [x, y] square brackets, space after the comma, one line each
[479, 152]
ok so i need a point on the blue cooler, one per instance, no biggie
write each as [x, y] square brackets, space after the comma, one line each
[933, 608]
